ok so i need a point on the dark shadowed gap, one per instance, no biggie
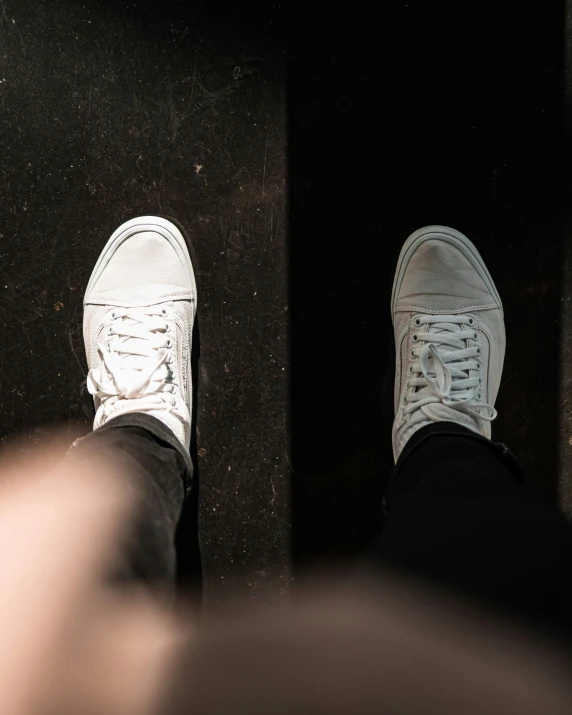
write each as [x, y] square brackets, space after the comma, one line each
[440, 113]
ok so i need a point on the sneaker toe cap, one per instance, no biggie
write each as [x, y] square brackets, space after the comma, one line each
[142, 268]
[442, 278]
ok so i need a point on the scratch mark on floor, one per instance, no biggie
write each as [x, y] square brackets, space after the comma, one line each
[214, 471]
[192, 88]
[509, 379]
[76, 357]
[273, 500]
[233, 351]
[18, 31]
[265, 154]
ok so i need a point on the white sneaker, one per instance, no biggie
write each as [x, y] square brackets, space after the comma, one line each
[139, 310]
[449, 335]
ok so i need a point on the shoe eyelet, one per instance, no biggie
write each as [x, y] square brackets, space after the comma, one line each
[478, 350]
[411, 369]
[479, 397]
[110, 330]
[169, 343]
[480, 380]
[471, 322]
[164, 312]
[412, 355]
[414, 337]
[417, 322]
[475, 336]
[479, 366]
[113, 315]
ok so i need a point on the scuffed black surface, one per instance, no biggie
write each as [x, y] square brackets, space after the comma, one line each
[113, 110]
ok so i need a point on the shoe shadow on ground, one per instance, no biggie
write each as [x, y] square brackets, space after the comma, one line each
[187, 536]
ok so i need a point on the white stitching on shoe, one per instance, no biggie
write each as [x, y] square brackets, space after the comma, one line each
[137, 303]
[460, 311]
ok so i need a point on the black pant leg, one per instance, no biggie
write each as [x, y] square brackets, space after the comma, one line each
[143, 447]
[458, 516]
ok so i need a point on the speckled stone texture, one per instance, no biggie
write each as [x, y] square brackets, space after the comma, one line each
[113, 110]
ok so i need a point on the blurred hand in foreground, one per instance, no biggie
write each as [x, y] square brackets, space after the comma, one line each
[70, 642]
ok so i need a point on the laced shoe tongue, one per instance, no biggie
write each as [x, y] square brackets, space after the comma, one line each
[439, 410]
[444, 349]
[436, 330]
[442, 412]
[134, 354]
[438, 347]
[131, 351]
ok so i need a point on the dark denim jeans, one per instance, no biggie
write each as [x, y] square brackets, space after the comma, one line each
[146, 448]
[459, 516]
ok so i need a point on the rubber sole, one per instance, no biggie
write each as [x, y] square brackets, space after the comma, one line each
[455, 238]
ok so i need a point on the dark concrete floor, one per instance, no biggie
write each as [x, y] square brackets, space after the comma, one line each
[565, 347]
[441, 113]
[113, 110]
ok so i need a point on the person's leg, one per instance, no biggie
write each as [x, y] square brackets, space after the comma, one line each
[140, 306]
[146, 451]
[456, 512]
[459, 516]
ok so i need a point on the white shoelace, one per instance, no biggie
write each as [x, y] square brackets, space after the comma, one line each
[440, 369]
[135, 372]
